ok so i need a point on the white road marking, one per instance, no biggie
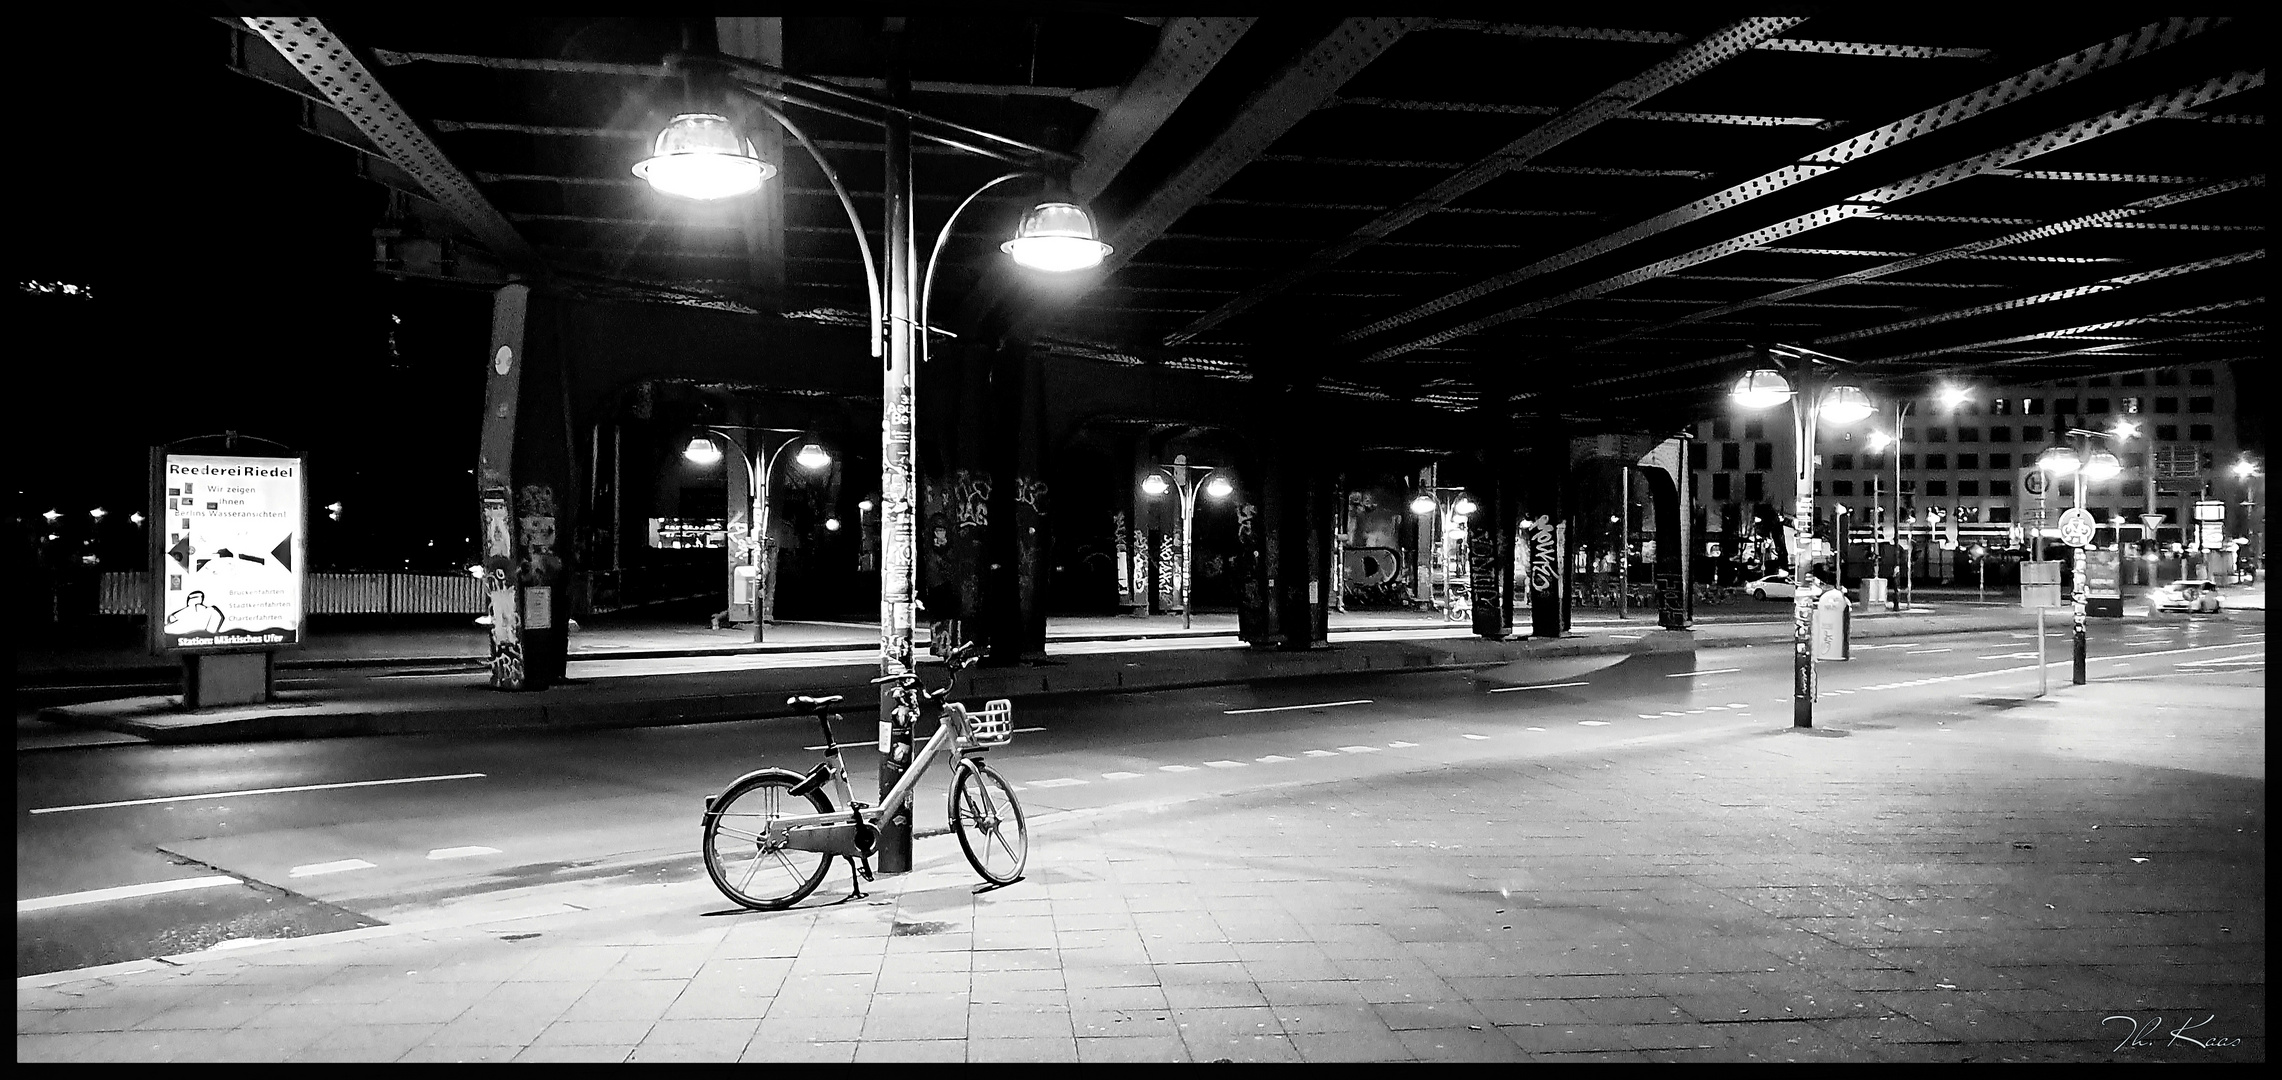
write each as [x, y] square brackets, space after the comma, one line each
[1271, 759]
[1715, 706]
[257, 791]
[1225, 764]
[1360, 749]
[1625, 637]
[1737, 705]
[1536, 729]
[1477, 737]
[461, 852]
[1288, 708]
[2007, 656]
[1398, 745]
[1120, 775]
[1321, 753]
[1670, 713]
[1592, 723]
[1693, 674]
[123, 892]
[1540, 686]
[1646, 715]
[1059, 781]
[1176, 768]
[1020, 730]
[338, 866]
[1925, 652]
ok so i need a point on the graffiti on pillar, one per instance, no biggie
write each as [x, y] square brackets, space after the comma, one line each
[970, 499]
[1169, 577]
[1544, 555]
[1482, 575]
[500, 593]
[1031, 493]
[1671, 602]
[1247, 516]
[1120, 539]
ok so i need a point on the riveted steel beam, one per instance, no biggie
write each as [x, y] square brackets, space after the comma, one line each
[1916, 262]
[2056, 73]
[1665, 37]
[1722, 119]
[1712, 50]
[334, 71]
[1865, 203]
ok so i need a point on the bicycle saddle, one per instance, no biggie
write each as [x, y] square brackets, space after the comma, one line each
[802, 704]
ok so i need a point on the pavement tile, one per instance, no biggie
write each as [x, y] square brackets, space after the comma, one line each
[914, 1016]
[517, 1029]
[1018, 1022]
[580, 1052]
[1631, 1010]
[994, 985]
[1171, 973]
[1102, 919]
[1122, 1023]
[1568, 1038]
[1528, 1012]
[1025, 959]
[625, 999]
[1063, 1049]
[1126, 954]
[1404, 1016]
[800, 1051]
[625, 1033]
[661, 962]
[1218, 1047]
[918, 1050]
[1334, 1047]
[1212, 995]
[215, 1017]
[711, 1031]
[365, 1042]
[1311, 992]
[1090, 999]
[452, 1052]
[1460, 1044]
[1377, 991]
[1087, 973]
[925, 982]
[1168, 1047]
[686, 1052]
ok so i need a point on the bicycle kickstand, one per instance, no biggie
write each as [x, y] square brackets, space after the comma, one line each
[859, 871]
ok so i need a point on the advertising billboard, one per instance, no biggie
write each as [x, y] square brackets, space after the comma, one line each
[230, 531]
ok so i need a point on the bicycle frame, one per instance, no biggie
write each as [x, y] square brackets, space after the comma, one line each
[835, 833]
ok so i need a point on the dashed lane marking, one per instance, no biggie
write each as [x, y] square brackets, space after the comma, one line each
[1709, 671]
[1646, 715]
[1120, 776]
[1321, 753]
[123, 892]
[1925, 652]
[1671, 713]
[1592, 723]
[1536, 729]
[1060, 781]
[1271, 759]
[1360, 749]
[1225, 764]
[1399, 745]
[257, 791]
[1540, 686]
[1477, 737]
[1737, 705]
[1289, 708]
[1176, 768]
[338, 866]
[461, 852]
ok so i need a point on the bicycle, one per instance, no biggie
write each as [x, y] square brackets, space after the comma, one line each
[759, 852]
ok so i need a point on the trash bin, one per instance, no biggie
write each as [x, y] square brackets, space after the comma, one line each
[1874, 590]
[1833, 624]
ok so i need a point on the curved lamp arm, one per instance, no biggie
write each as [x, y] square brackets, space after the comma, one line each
[934, 257]
[855, 222]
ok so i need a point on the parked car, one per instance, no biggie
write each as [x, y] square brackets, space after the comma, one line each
[2194, 594]
[1778, 587]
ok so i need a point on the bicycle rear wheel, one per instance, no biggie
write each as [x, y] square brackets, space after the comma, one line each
[743, 865]
[989, 822]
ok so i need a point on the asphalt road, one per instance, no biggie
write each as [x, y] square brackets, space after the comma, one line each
[126, 852]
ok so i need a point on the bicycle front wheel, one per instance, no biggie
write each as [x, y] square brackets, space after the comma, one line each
[744, 866]
[989, 822]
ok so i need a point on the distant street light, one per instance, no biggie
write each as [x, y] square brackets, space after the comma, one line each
[759, 470]
[1215, 486]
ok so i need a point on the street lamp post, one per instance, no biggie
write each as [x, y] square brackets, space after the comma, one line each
[2254, 529]
[2062, 460]
[1447, 514]
[1787, 372]
[760, 470]
[1214, 484]
[700, 155]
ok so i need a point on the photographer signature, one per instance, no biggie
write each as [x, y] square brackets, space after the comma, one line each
[2144, 1035]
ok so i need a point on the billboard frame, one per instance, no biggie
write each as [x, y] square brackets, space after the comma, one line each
[157, 511]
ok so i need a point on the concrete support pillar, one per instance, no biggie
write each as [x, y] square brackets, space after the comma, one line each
[1548, 531]
[1489, 532]
[1019, 539]
[1290, 503]
[525, 483]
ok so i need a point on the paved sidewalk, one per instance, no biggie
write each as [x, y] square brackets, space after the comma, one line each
[1995, 881]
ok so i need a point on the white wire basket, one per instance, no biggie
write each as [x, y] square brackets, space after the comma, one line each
[992, 725]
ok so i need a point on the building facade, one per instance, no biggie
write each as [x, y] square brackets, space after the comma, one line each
[1966, 472]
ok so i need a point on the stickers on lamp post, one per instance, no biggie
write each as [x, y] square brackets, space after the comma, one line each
[231, 537]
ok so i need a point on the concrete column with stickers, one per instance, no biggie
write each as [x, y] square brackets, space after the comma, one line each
[523, 478]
